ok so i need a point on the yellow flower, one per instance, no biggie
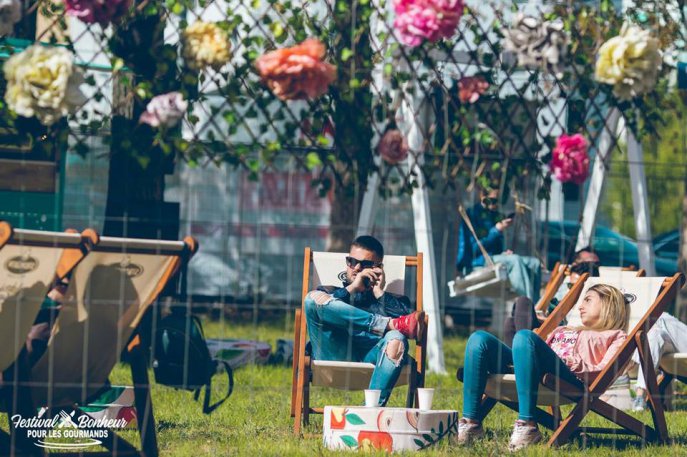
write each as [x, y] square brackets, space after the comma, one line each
[630, 62]
[205, 45]
[43, 82]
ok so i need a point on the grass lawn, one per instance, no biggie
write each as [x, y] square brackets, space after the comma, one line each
[255, 420]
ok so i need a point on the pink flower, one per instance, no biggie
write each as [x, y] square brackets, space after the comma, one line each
[165, 110]
[393, 147]
[470, 88]
[431, 20]
[297, 72]
[101, 11]
[570, 161]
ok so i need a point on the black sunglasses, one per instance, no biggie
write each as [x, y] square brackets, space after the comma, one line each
[364, 264]
[489, 201]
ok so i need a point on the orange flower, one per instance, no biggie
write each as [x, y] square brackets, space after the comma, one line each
[297, 72]
[470, 88]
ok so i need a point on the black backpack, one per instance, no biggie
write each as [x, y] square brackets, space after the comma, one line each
[175, 367]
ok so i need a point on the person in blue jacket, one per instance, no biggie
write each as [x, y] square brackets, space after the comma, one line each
[524, 272]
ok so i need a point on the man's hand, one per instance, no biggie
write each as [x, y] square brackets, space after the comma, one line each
[365, 280]
[504, 224]
[378, 288]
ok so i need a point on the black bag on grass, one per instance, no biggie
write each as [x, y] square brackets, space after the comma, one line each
[182, 360]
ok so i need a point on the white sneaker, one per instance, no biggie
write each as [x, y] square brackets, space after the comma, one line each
[638, 403]
[523, 436]
[467, 432]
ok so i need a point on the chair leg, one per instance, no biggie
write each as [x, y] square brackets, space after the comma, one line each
[654, 401]
[568, 426]
[298, 409]
[20, 401]
[306, 398]
[412, 386]
[294, 361]
[144, 405]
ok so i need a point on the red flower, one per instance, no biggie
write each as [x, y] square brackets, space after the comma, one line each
[570, 161]
[393, 147]
[470, 88]
[297, 72]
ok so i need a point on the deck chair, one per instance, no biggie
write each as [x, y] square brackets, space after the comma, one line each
[108, 294]
[30, 262]
[618, 275]
[653, 296]
[325, 268]
[552, 286]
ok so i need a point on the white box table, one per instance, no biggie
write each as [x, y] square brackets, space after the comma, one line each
[390, 429]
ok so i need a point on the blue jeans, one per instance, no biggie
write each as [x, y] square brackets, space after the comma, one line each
[524, 274]
[531, 358]
[339, 331]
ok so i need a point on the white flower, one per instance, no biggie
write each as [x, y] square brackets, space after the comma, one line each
[10, 14]
[630, 62]
[166, 110]
[537, 44]
[43, 82]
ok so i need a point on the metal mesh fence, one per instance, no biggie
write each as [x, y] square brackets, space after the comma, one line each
[264, 127]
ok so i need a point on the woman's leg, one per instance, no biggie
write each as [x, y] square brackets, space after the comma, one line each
[523, 317]
[532, 358]
[484, 354]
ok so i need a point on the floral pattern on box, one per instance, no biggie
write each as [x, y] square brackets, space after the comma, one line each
[388, 429]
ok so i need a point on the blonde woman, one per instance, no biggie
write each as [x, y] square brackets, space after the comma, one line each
[573, 354]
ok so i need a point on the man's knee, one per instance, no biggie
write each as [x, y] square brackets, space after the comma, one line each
[396, 345]
[317, 297]
[522, 304]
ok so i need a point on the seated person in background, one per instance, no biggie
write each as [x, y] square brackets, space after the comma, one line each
[37, 339]
[524, 272]
[574, 354]
[525, 317]
[359, 322]
[668, 335]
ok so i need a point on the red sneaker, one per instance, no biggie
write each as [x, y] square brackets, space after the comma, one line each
[411, 325]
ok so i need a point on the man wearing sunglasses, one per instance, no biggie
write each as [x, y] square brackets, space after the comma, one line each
[360, 322]
[524, 272]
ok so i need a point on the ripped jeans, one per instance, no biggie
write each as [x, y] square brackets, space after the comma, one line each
[339, 331]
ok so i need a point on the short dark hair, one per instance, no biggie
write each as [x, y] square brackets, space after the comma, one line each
[584, 249]
[369, 243]
[586, 267]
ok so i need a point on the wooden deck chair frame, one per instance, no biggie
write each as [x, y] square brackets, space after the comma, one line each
[116, 445]
[74, 248]
[587, 398]
[555, 282]
[300, 390]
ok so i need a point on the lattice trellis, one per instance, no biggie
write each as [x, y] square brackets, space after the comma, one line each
[495, 94]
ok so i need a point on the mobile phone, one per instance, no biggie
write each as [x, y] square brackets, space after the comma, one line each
[510, 216]
[366, 281]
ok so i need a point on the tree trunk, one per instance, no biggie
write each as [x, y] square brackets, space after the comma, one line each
[343, 219]
[352, 118]
[135, 198]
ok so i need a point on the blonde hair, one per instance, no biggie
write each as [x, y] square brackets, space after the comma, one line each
[614, 310]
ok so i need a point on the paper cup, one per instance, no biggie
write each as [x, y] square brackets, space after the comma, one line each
[425, 397]
[372, 397]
